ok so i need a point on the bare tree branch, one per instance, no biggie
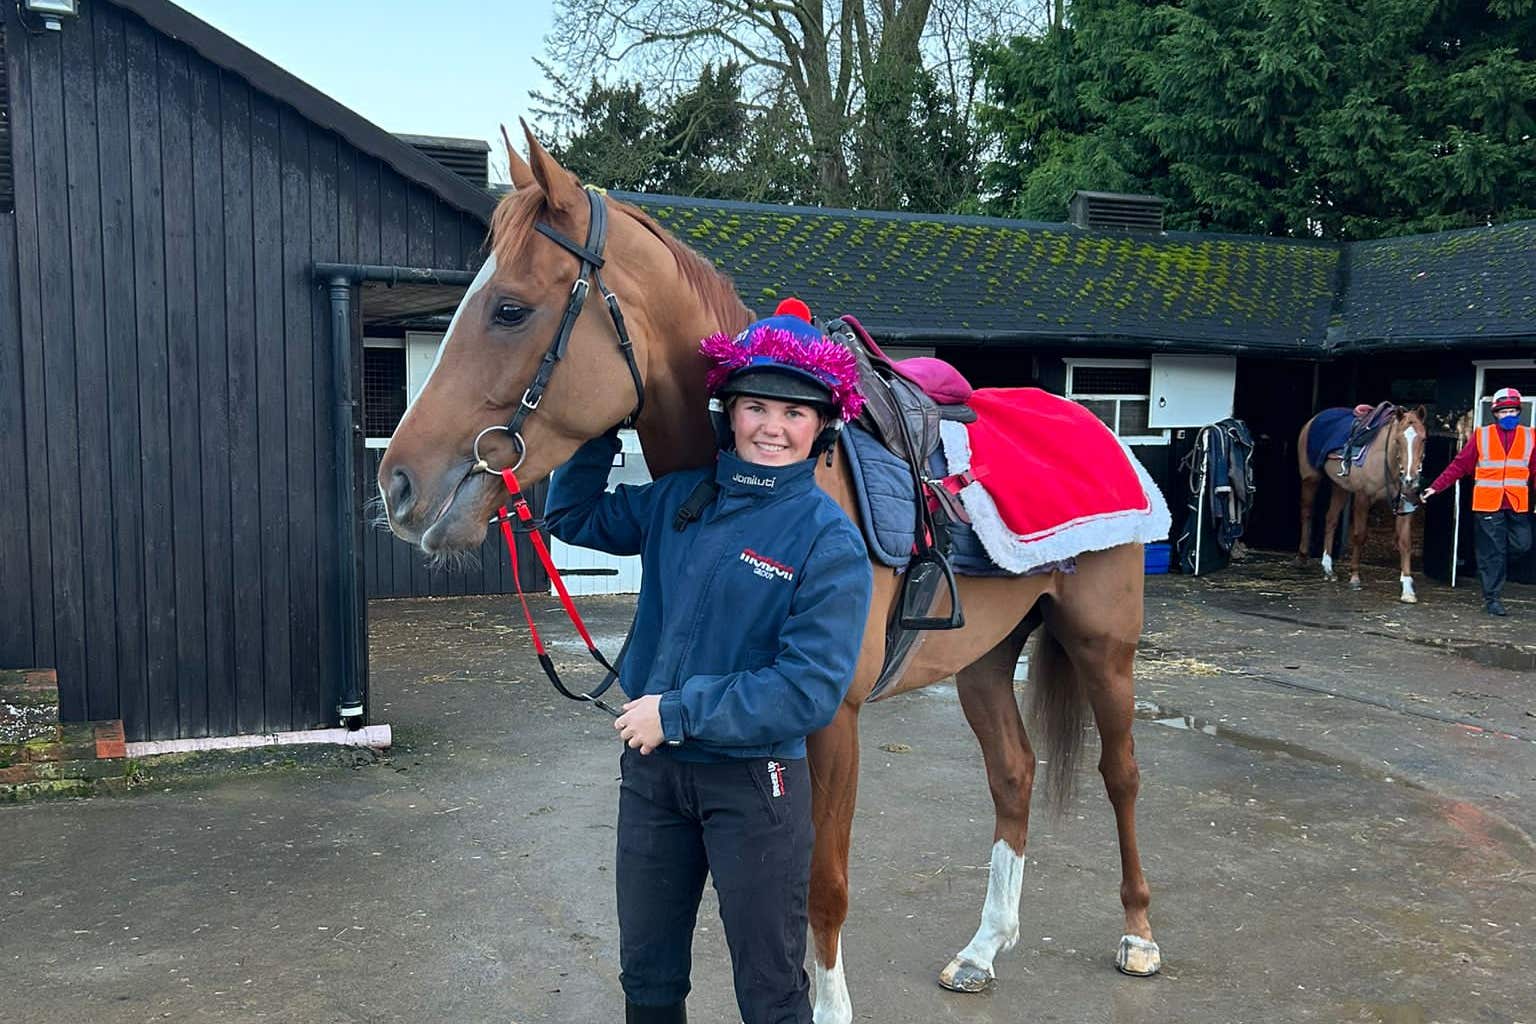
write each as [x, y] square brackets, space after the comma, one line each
[828, 53]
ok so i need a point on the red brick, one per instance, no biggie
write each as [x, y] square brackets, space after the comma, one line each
[109, 740]
[17, 773]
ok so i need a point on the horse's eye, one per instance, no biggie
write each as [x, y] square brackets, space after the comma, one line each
[510, 314]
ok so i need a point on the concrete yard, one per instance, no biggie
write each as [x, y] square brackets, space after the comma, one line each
[1338, 797]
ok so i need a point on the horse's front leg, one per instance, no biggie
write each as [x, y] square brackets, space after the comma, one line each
[834, 756]
[992, 710]
[1360, 522]
[1404, 527]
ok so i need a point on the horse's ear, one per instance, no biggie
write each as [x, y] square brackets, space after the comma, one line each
[1422, 413]
[522, 174]
[561, 189]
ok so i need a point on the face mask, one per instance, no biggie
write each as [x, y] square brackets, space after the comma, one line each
[1509, 420]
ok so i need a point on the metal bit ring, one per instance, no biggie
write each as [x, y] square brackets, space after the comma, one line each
[517, 440]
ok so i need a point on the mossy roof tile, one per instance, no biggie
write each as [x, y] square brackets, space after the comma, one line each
[991, 277]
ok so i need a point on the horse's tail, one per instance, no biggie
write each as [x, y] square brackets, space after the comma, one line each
[1056, 711]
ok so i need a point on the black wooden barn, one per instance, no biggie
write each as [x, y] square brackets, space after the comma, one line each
[182, 536]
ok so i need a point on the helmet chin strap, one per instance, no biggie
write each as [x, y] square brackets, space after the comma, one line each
[725, 438]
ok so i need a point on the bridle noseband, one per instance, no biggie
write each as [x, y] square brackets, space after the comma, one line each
[590, 256]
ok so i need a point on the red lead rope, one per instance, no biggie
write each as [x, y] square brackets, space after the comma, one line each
[525, 515]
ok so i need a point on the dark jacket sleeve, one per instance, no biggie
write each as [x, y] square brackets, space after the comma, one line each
[1460, 466]
[580, 511]
[818, 650]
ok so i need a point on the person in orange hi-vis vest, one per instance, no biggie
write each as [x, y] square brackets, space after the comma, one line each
[1502, 459]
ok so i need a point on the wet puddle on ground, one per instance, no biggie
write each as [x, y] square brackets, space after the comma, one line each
[1490, 653]
[1172, 718]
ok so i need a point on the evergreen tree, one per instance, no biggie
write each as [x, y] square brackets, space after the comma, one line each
[1298, 117]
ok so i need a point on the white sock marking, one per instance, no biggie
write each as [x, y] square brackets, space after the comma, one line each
[1000, 914]
[832, 1003]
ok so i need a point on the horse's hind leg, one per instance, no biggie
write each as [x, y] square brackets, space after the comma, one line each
[1099, 635]
[986, 695]
[1309, 486]
[1359, 526]
[1330, 529]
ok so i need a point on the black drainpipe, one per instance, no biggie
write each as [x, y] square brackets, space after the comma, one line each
[346, 428]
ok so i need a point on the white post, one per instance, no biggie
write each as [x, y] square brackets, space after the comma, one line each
[1455, 530]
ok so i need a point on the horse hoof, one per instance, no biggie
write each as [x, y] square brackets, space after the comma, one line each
[961, 976]
[1409, 599]
[1356, 585]
[1138, 957]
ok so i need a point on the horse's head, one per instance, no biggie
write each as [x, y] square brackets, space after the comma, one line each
[528, 308]
[1405, 457]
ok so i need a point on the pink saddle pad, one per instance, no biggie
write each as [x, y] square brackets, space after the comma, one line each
[939, 381]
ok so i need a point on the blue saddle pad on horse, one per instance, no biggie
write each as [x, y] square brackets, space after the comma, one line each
[1330, 432]
[1333, 430]
[882, 484]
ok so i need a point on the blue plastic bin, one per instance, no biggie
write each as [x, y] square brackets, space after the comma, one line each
[1158, 557]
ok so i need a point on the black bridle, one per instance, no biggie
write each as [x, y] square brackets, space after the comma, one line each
[590, 256]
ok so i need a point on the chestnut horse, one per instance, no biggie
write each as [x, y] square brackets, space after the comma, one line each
[1390, 472]
[670, 297]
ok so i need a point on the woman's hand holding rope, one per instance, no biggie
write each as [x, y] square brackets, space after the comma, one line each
[640, 724]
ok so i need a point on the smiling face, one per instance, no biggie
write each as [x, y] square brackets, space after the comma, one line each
[774, 433]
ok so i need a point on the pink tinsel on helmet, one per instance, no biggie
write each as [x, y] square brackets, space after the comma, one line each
[826, 360]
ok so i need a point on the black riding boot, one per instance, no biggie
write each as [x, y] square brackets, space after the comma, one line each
[634, 1013]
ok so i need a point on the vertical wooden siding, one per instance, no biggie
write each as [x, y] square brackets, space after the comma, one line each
[395, 569]
[166, 388]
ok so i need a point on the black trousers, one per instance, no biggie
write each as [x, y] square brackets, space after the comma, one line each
[747, 824]
[1501, 536]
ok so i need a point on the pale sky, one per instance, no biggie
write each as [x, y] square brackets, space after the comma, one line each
[449, 67]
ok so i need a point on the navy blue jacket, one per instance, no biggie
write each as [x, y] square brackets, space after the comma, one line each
[749, 620]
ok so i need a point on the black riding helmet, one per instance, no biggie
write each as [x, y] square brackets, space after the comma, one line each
[784, 357]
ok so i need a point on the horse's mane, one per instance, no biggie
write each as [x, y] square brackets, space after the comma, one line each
[512, 223]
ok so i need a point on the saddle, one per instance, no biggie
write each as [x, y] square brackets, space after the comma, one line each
[1367, 423]
[904, 399]
[904, 404]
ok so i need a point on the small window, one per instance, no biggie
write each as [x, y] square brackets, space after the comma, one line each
[1119, 392]
[1090, 379]
[383, 391]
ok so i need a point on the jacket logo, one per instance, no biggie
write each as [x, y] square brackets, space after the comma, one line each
[776, 785]
[752, 480]
[766, 567]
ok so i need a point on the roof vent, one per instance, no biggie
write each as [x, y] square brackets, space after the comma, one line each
[1117, 211]
[468, 158]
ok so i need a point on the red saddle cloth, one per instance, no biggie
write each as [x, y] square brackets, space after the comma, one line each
[1059, 480]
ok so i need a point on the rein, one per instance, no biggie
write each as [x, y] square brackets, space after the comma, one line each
[590, 257]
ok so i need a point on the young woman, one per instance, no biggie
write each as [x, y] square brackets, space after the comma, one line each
[754, 588]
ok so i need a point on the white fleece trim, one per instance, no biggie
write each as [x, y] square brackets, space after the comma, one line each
[1019, 553]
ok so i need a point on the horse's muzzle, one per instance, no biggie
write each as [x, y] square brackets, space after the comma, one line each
[399, 496]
